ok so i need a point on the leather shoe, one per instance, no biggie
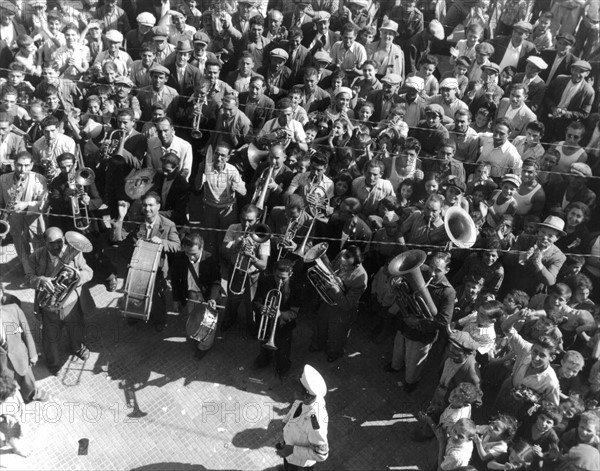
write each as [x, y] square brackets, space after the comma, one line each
[41, 396]
[390, 369]
[200, 354]
[111, 283]
[83, 354]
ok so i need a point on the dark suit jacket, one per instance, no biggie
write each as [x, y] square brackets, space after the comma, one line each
[164, 229]
[303, 59]
[563, 69]
[537, 90]
[176, 204]
[284, 84]
[501, 43]
[209, 275]
[145, 99]
[523, 117]
[20, 346]
[287, 20]
[310, 31]
[321, 101]
[579, 106]
[191, 77]
[232, 76]
[376, 97]
[262, 114]
[283, 178]
[361, 236]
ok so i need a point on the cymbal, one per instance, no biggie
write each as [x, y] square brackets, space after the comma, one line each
[139, 183]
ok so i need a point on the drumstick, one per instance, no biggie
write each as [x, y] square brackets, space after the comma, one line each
[218, 306]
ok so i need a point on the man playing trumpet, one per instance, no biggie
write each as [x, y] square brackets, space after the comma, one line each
[282, 318]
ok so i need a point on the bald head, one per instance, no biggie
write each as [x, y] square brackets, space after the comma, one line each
[277, 156]
[52, 234]
[55, 241]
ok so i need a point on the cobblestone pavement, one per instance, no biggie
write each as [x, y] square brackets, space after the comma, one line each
[144, 403]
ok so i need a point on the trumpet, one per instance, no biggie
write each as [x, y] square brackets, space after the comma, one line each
[111, 144]
[80, 210]
[251, 240]
[198, 104]
[321, 275]
[270, 312]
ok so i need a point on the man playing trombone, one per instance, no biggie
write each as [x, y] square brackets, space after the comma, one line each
[246, 253]
[280, 316]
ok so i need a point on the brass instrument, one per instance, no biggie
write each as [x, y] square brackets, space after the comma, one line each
[48, 162]
[524, 257]
[262, 191]
[64, 277]
[458, 228]
[260, 149]
[288, 237]
[139, 182]
[198, 104]
[252, 238]
[15, 193]
[321, 275]
[111, 143]
[316, 198]
[78, 181]
[270, 312]
[411, 289]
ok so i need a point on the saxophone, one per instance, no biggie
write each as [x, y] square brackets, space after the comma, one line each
[15, 193]
[48, 162]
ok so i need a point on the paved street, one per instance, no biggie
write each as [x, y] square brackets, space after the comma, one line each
[144, 403]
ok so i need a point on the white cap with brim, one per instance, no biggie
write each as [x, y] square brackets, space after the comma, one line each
[313, 382]
[554, 222]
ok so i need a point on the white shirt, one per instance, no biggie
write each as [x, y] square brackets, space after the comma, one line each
[298, 134]
[181, 148]
[348, 58]
[511, 56]
[502, 159]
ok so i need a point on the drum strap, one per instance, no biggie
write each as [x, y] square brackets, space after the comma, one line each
[195, 276]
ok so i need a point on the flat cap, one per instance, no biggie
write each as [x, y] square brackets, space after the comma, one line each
[160, 32]
[362, 3]
[484, 49]
[415, 82]
[449, 82]
[567, 37]
[201, 37]
[281, 53]
[436, 109]
[323, 56]
[392, 79]
[463, 340]
[491, 67]
[538, 62]
[454, 181]
[512, 178]
[321, 16]
[159, 69]
[314, 383]
[523, 26]
[146, 18]
[123, 80]
[580, 169]
[390, 217]
[114, 36]
[584, 65]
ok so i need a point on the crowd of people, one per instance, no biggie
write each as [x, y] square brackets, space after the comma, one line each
[433, 166]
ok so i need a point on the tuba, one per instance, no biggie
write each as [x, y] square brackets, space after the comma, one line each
[321, 275]
[269, 316]
[458, 228]
[15, 193]
[251, 239]
[64, 277]
[411, 289]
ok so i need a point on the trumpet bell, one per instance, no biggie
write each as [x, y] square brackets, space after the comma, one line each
[315, 252]
[4, 229]
[196, 134]
[260, 233]
[139, 183]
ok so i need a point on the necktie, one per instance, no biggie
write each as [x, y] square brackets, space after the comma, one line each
[148, 230]
[298, 411]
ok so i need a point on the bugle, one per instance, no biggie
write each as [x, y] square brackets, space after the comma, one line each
[409, 284]
[270, 313]
[458, 228]
[321, 275]
[251, 240]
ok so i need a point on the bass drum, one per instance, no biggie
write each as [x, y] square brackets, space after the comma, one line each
[201, 324]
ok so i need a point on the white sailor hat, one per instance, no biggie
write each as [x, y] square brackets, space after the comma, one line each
[346, 90]
[313, 382]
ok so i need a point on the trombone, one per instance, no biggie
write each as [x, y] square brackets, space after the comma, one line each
[261, 193]
[270, 311]
[251, 240]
